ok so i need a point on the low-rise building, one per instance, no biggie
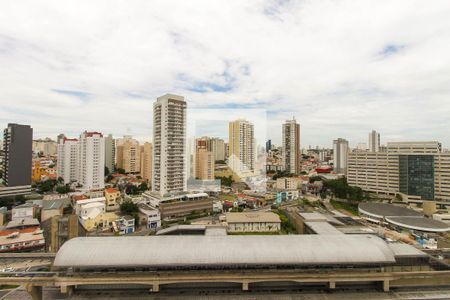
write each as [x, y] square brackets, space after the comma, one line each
[26, 210]
[149, 216]
[21, 240]
[178, 205]
[78, 204]
[287, 195]
[126, 224]
[253, 222]
[22, 223]
[54, 207]
[288, 183]
[113, 199]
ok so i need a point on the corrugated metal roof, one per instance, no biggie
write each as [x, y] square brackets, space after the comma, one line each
[157, 251]
[381, 210]
[405, 250]
[420, 223]
[322, 228]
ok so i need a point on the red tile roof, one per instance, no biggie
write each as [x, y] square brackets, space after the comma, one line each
[25, 230]
[111, 190]
[92, 133]
[72, 140]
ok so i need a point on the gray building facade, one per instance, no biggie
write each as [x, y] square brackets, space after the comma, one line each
[17, 163]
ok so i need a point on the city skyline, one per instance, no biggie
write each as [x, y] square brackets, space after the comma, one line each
[339, 71]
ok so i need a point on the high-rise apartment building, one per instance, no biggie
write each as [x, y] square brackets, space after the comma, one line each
[110, 152]
[362, 147]
[45, 147]
[268, 145]
[204, 168]
[291, 146]
[416, 169]
[340, 152]
[242, 150]
[374, 141]
[146, 161]
[218, 148]
[129, 156]
[227, 150]
[91, 160]
[17, 158]
[67, 163]
[169, 145]
[60, 137]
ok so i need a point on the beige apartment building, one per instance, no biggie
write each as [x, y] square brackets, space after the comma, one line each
[417, 169]
[242, 150]
[146, 161]
[291, 146]
[204, 161]
[129, 156]
[288, 183]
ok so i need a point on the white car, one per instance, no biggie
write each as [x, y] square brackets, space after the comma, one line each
[7, 270]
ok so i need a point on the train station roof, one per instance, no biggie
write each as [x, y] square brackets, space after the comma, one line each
[213, 251]
[381, 210]
[421, 224]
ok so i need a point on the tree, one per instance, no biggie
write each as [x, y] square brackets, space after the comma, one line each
[280, 174]
[45, 186]
[63, 189]
[129, 208]
[143, 187]
[227, 181]
[120, 171]
[342, 190]
[106, 171]
[131, 189]
[398, 197]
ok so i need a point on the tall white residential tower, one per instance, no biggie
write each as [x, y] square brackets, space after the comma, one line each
[374, 141]
[91, 160]
[67, 167]
[169, 145]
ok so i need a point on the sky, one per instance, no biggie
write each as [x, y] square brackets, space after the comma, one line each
[341, 68]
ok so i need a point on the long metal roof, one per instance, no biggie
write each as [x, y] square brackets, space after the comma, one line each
[381, 210]
[419, 223]
[163, 251]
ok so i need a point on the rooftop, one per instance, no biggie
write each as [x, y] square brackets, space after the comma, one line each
[209, 251]
[419, 223]
[111, 190]
[404, 250]
[381, 210]
[22, 222]
[34, 234]
[313, 216]
[245, 217]
[322, 228]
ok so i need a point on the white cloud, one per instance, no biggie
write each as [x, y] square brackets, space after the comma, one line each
[341, 68]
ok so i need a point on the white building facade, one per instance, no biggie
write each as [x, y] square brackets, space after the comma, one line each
[67, 167]
[169, 145]
[340, 152]
[91, 160]
[374, 141]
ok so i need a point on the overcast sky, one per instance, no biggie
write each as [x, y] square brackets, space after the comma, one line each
[341, 68]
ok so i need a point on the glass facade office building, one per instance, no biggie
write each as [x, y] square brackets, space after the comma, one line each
[417, 175]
